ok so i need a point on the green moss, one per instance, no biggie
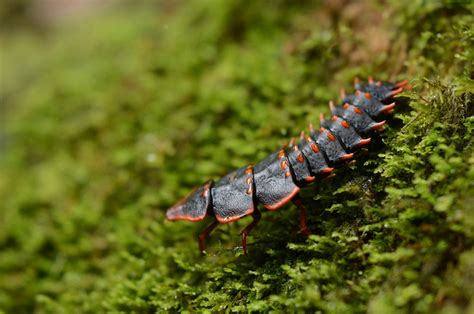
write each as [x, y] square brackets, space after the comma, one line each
[104, 130]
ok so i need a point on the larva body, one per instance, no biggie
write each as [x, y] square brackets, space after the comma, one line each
[278, 179]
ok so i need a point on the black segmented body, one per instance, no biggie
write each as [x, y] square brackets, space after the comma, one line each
[278, 178]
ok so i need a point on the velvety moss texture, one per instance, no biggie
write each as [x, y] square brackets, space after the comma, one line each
[108, 121]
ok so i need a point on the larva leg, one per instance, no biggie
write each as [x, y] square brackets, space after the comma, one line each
[204, 234]
[303, 216]
[256, 218]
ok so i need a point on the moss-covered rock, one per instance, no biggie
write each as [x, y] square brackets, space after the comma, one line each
[110, 120]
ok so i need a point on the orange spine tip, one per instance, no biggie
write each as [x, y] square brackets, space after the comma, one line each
[334, 118]
[395, 92]
[368, 96]
[402, 83]
[378, 125]
[378, 84]
[327, 170]
[292, 142]
[357, 110]
[346, 106]
[364, 141]
[321, 117]
[346, 156]
[371, 79]
[281, 154]
[387, 108]
[358, 92]
[302, 135]
[342, 92]
[311, 128]
[310, 179]
[356, 81]
[332, 107]
[315, 148]
[345, 124]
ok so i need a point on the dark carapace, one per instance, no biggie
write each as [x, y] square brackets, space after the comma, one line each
[278, 179]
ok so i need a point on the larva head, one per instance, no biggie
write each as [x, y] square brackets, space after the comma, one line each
[381, 90]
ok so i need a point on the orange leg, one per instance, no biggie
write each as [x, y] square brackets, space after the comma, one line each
[204, 234]
[256, 218]
[303, 216]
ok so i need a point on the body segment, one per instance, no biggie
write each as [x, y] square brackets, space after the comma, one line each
[232, 196]
[274, 184]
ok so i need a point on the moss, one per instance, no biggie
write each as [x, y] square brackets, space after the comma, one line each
[104, 130]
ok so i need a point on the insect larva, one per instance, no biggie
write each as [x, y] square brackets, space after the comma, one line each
[278, 179]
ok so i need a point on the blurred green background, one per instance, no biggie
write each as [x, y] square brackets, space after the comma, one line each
[111, 111]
